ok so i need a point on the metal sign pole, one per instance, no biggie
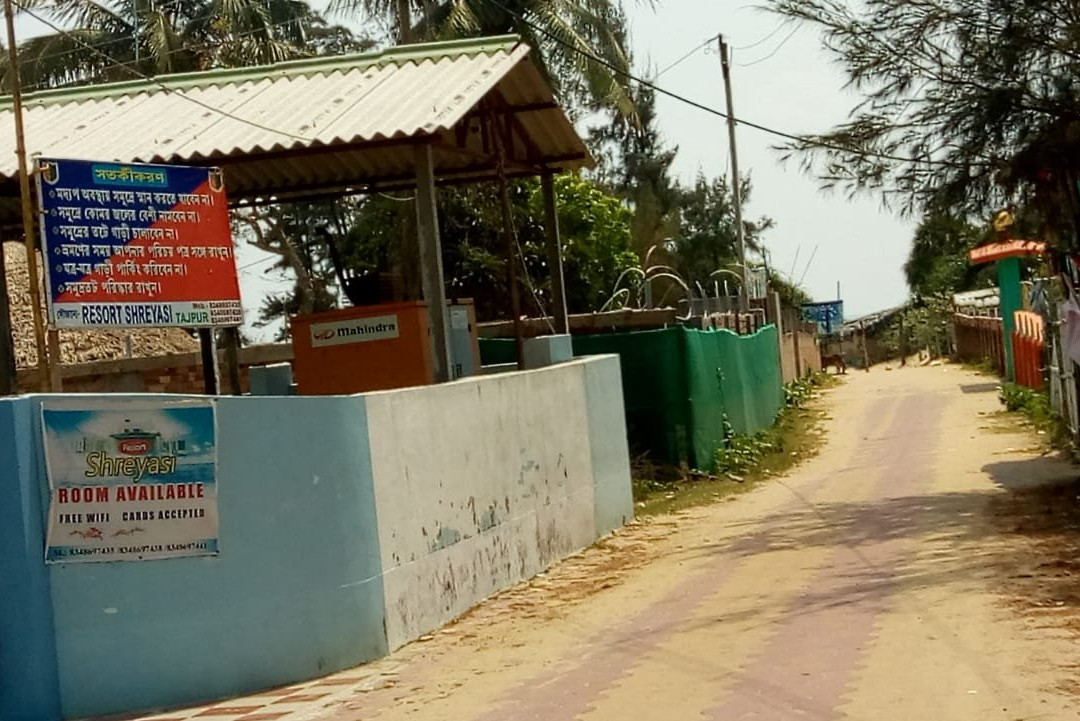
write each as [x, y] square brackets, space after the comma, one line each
[44, 375]
[208, 352]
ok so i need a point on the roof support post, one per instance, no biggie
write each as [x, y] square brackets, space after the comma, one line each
[431, 266]
[208, 354]
[554, 253]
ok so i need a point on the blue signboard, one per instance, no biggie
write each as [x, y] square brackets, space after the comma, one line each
[829, 316]
[129, 245]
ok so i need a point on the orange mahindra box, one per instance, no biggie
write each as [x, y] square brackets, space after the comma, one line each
[367, 348]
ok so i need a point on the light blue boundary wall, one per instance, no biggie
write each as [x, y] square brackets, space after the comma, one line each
[29, 686]
[300, 587]
[275, 607]
[614, 506]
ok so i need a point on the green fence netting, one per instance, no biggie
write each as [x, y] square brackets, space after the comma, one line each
[678, 384]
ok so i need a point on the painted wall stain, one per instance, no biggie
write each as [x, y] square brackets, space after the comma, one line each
[488, 519]
[447, 537]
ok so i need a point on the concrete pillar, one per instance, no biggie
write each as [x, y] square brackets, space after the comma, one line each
[772, 314]
[554, 254]
[431, 267]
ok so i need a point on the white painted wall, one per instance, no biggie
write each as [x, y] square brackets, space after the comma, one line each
[487, 481]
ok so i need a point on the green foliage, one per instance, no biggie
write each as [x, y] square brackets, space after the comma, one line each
[635, 165]
[707, 239]
[989, 90]
[791, 294]
[300, 234]
[1035, 407]
[923, 325]
[938, 262]
[1017, 397]
[690, 229]
[562, 33]
[119, 40]
[799, 391]
[741, 453]
[594, 229]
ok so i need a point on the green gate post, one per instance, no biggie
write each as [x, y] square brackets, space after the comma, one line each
[1008, 270]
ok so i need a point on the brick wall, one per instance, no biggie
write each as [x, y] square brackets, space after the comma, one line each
[180, 373]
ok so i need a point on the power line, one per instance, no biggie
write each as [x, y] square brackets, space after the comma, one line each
[258, 262]
[159, 83]
[808, 264]
[118, 41]
[684, 58]
[713, 111]
[769, 36]
[777, 49]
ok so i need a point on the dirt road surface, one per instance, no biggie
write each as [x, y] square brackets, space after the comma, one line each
[892, 578]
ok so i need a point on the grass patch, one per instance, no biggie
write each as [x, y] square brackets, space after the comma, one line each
[746, 461]
[985, 367]
[1033, 409]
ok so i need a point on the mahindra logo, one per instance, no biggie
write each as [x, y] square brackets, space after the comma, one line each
[324, 334]
[134, 446]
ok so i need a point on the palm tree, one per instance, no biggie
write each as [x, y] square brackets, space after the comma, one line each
[580, 44]
[122, 39]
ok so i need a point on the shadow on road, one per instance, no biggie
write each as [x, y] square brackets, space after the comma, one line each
[978, 387]
[1024, 541]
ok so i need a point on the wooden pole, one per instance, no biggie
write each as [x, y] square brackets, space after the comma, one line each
[903, 342]
[232, 359]
[865, 350]
[509, 242]
[431, 264]
[796, 329]
[27, 202]
[736, 191]
[208, 351]
[554, 253]
[56, 382]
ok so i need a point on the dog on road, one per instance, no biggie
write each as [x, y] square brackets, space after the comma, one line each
[835, 361]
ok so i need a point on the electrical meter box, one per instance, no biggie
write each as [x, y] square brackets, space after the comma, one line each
[378, 347]
[364, 348]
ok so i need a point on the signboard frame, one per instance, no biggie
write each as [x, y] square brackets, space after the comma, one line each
[136, 245]
[130, 480]
[828, 315]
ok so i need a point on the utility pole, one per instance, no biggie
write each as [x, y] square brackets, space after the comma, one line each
[736, 191]
[27, 203]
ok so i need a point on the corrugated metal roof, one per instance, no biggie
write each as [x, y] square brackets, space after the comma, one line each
[313, 125]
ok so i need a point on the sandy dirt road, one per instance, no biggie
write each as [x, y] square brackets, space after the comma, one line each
[877, 581]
